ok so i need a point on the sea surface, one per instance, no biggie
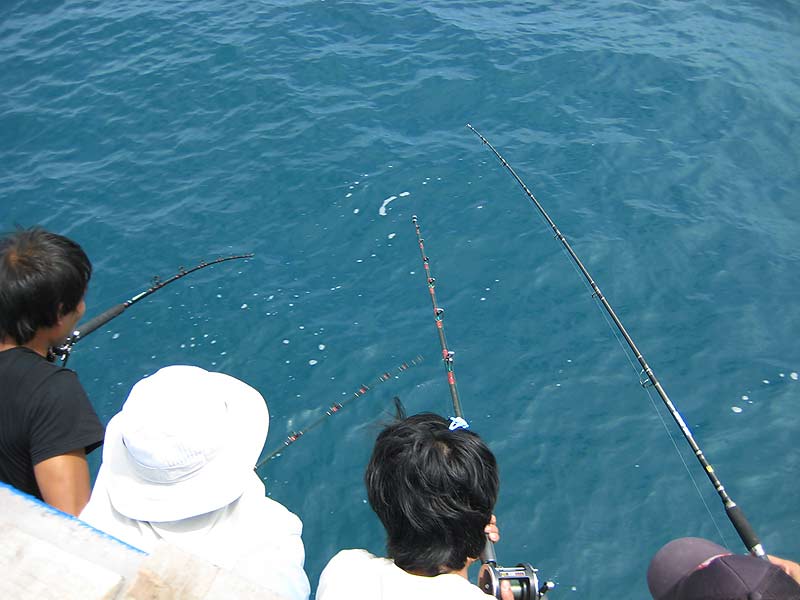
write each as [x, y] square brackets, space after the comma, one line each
[662, 138]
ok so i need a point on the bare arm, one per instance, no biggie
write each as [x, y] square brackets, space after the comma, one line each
[64, 481]
[791, 568]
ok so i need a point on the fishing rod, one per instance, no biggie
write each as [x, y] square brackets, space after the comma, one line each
[63, 351]
[337, 406]
[523, 578]
[447, 354]
[735, 514]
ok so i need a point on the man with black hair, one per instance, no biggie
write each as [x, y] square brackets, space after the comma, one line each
[47, 425]
[434, 489]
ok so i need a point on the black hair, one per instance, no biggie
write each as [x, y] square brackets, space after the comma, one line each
[434, 490]
[43, 276]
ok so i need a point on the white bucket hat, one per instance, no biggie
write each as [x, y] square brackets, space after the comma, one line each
[184, 444]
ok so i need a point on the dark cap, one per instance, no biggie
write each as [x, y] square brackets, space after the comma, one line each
[697, 569]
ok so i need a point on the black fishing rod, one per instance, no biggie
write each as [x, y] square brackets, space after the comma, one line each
[735, 514]
[523, 578]
[63, 351]
[337, 406]
[447, 354]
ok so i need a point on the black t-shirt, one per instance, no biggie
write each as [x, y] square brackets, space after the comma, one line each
[44, 412]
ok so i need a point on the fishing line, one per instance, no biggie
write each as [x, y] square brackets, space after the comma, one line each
[338, 406]
[735, 514]
[645, 383]
[63, 351]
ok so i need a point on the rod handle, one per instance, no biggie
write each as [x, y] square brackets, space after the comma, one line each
[745, 530]
[98, 321]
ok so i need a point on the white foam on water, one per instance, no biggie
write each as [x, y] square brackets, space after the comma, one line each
[736, 409]
[312, 362]
[382, 209]
[765, 381]
[483, 299]
[321, 346]
[285, 341]
[302, 327]
[115, 336]
[244, 306]
[360, 260]
[745, 397]
[270, 297]
[348, 194]
[356, 211]
[391, 236]
[404, 194]
[793, 375]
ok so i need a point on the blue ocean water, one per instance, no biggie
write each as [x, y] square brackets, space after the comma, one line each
[661, 136]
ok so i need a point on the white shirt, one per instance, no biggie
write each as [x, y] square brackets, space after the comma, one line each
[254, 537]
[358, 575]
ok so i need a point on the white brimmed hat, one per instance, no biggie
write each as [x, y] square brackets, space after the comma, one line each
[184, 444]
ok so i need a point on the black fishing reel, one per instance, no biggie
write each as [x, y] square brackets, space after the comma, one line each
[523, 578]
[61, 352]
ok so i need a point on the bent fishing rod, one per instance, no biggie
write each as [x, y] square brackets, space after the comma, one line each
[63, 351]
[735, 514]
[337, 406]
[523, 578]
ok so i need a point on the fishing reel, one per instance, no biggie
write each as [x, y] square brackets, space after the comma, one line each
[523, 578]
[62, 351]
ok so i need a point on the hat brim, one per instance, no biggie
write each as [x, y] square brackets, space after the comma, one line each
[218, 483]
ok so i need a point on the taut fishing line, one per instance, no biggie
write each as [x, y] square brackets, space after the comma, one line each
[63, 351]
[523, 578]
[735, 514]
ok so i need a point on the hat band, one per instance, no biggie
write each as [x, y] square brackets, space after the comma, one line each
[163, 474]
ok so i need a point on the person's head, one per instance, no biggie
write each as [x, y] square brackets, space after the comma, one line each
[697, 569]
[434, 491]
[43, 279]
[184, 444]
